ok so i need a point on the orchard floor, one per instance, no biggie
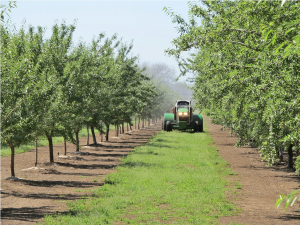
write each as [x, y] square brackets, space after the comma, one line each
[260, 185]
[46, 190]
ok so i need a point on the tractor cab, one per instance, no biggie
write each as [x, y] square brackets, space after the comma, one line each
[183, 113]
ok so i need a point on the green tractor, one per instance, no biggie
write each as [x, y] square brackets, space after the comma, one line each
[182, 118]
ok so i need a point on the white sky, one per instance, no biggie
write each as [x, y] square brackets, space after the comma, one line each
[144, 22]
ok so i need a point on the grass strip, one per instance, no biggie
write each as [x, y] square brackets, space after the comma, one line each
[176, 178]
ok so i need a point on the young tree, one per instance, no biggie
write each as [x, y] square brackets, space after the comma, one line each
[20, 86]
[53, 62]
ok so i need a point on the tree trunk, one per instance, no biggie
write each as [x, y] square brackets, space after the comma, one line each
[139, 123]
[107, 132]
[135, 123]
[36, 151]
[101, 133]
[127, 127]
[149, 122]
[143, 125]
[88, 135]
[93, 133]
[12, 159]
[122, 127]
[281, 153]
[117, 130]
[50, 141]
[290, 154]
[77, 139]
[65, 144]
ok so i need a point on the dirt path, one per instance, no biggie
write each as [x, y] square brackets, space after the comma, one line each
[261, 185]
[45, 191]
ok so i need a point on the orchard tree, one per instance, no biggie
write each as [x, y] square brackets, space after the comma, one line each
[103, 52]
[21, 90]
[53, 62]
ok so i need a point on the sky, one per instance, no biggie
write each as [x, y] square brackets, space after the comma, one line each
[143, 22]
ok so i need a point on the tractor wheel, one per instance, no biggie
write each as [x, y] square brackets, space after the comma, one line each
[196, 126]
[201, 128]
[163, 125]
[169, 126]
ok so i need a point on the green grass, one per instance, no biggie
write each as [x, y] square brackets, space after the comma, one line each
[238, 185]
[176, 178]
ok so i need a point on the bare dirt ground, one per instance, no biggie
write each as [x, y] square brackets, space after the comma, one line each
[261, 185]
[46, 190]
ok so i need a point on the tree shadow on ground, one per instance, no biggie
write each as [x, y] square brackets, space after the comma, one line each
[45, 183]
[72, 174]
[91, 166]
[159, 145]
[101, 159]
[148, 153]
[126, 142]
[282, 168]
[65, 197]
[116, 147]
[289, 217]
[139, 164]
[160, 140]
[139, 138]
[29, 214]
[117, 155]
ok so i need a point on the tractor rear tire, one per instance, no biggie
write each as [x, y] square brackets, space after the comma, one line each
[201, 128]
[196, 126]
[163, 125]
[169, 126]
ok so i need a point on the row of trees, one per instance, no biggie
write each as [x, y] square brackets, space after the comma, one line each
[247, 69]
[50, 86]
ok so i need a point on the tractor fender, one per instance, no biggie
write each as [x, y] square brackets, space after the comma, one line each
[169, 117]
[199, 118]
